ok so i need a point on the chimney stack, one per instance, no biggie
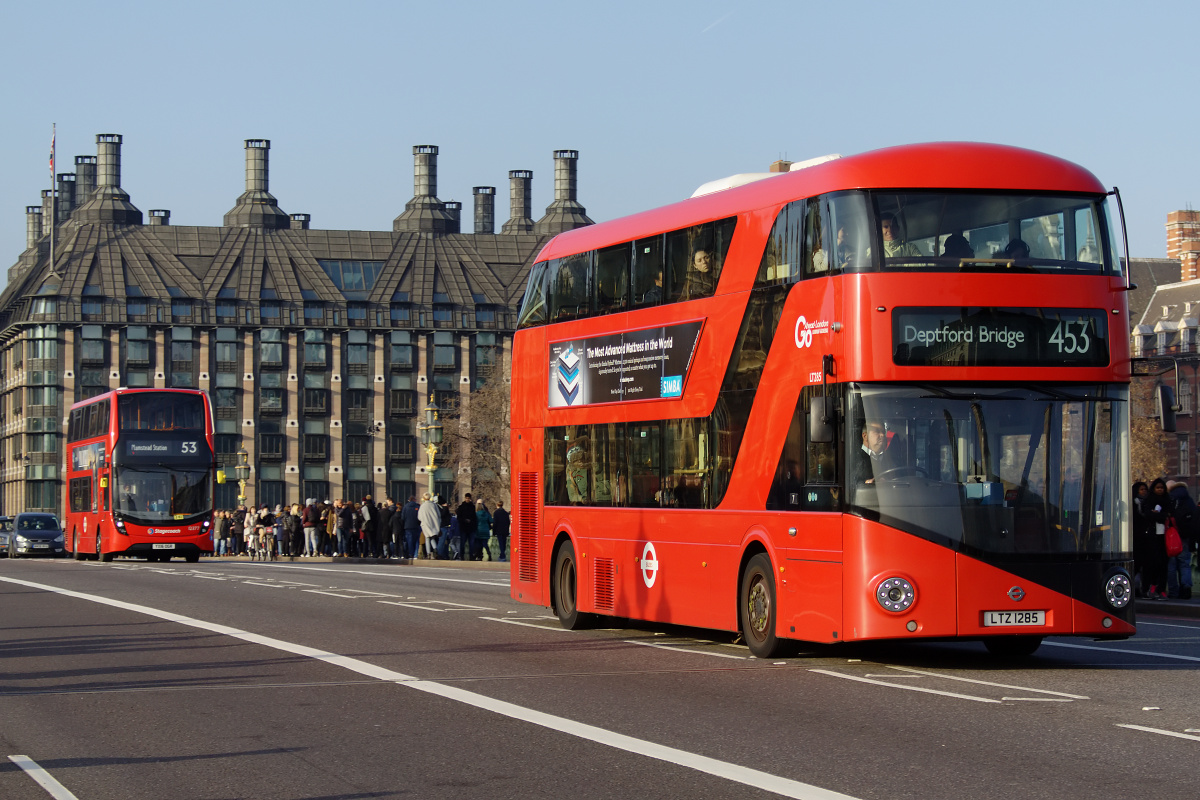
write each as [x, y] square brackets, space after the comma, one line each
[160, 216]
[565, 213]
[66, 196]
[48, 198]
[85, 179]
[257, 207]
[520, 202]
[300, 221]
[454, 210]
[33, 226]
[485, 209]
[424, 213]
[108, 203]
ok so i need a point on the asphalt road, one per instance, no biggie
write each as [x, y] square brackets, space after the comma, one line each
[318, 680]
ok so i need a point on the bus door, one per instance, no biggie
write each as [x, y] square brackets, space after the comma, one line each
[807, 488]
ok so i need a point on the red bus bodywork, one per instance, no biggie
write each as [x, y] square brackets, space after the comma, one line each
[826, 565]
[99, 521]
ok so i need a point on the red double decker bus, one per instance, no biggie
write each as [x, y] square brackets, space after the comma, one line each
[140, 475]
[875, 397]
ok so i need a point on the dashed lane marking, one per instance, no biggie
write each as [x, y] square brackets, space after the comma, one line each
[531, 624]
[679, 649]
[926, 673]
[1159, 731]
[427, 605]
[43, 778]
[922, 689]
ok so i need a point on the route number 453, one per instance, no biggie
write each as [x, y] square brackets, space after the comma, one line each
[1068, 342]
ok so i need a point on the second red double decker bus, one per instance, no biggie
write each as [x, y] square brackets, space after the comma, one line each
[883, 396]
[140, 475]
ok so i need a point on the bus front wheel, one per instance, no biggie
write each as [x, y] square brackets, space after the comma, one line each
[100, 554]
[757, 607]
[565, 589]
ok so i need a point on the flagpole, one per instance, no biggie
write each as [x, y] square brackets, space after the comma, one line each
[53, 196]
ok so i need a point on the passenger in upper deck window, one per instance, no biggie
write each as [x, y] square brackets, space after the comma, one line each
[1016, 249]
[701, 279]
[894, 245]
[957, 246]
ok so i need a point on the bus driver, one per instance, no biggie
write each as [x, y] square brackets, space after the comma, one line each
[874, 457]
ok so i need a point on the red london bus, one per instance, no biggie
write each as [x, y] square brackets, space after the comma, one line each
[875, 397]
[140, 475]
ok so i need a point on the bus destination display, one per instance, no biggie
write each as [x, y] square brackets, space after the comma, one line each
[999, 337]
[648, 364]
[160, 448]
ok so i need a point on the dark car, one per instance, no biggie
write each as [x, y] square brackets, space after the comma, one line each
[35, 534]
[6, 526]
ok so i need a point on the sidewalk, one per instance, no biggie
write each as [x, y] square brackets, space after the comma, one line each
[1187, 609]
[487, 566]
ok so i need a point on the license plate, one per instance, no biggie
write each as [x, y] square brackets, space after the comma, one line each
[41, 547]
[1000, 618]
[164, 546]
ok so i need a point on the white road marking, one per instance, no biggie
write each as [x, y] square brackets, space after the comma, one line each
[405, 575]
[1142, 623]
[1040, 699]
[331, 594]
[902, 686]
[1123, 652]
[43, 778]
[639, 747]
[426, 606]
[516, 621]
[1159, 730]
[988, 683]
[683, 649]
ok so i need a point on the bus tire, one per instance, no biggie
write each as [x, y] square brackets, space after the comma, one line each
[756, 607]
[100, 555]
[79, 556]
[1012, 646]
[190, 558]
[564, 589]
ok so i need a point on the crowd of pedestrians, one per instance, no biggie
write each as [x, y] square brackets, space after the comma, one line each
[345, 529]
[1163, 559]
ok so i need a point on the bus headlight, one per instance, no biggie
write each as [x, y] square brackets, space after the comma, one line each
[1118, 590]
[895, 594]
[120, 525]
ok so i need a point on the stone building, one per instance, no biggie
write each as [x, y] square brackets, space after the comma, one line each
[318, 348]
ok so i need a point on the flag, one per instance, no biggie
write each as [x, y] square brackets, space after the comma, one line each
[53, 136]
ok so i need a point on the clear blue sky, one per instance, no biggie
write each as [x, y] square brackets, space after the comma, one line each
[658, 97]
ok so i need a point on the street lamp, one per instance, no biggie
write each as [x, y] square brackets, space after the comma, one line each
[242, 470]
[431, 436]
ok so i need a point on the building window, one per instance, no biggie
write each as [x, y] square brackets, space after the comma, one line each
[227, 310]
[181, 309]
[1185, 397]
[401, 313]
[1185, 454]
[356, 354]
[137, 352]
[271, 344]
[352, 276]
[91, 351]
[270, 311]
[314, 313]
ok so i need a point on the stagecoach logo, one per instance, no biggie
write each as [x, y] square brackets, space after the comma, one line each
[153, 531]
[568, 376]
[1016, 594]
[649, 564]
[805, 331]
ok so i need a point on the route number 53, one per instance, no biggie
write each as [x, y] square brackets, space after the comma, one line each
[1068, 342]
[190, 447]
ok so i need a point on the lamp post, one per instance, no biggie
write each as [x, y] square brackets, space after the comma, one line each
[431, 436]
[242, 470]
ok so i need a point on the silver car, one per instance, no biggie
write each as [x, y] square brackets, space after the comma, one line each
[6, 526]
[36, 534]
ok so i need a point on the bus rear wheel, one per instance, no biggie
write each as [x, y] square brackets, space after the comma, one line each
[564, 588]
[756, 604]
[79, 556]
[100, 554]
[1012, 646]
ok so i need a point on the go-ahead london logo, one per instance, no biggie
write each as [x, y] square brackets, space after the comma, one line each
[805, 331]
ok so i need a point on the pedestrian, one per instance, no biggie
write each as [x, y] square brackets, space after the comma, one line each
[383, 530]
[279, 545]
[237, 525]
[295, 528]
[483, 530]
[310, 520]
[431, 524]
[370, 528]
[406, 528]
[345, 525]
[500, 524]
[1159, 508]
[222, 532]
[467, 525]
[328, 530]
[1187, 522]
[447, 519]
[249, 537]
[1143, 539]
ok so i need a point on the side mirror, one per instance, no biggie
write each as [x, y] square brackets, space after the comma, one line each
[1166, 408]
[820, 420]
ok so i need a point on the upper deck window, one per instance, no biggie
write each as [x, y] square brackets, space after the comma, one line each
[676, 266]
[155, 411]
[962, 231]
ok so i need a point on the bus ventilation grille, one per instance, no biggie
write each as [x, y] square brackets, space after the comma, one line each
[527, 526]
[605, 583]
